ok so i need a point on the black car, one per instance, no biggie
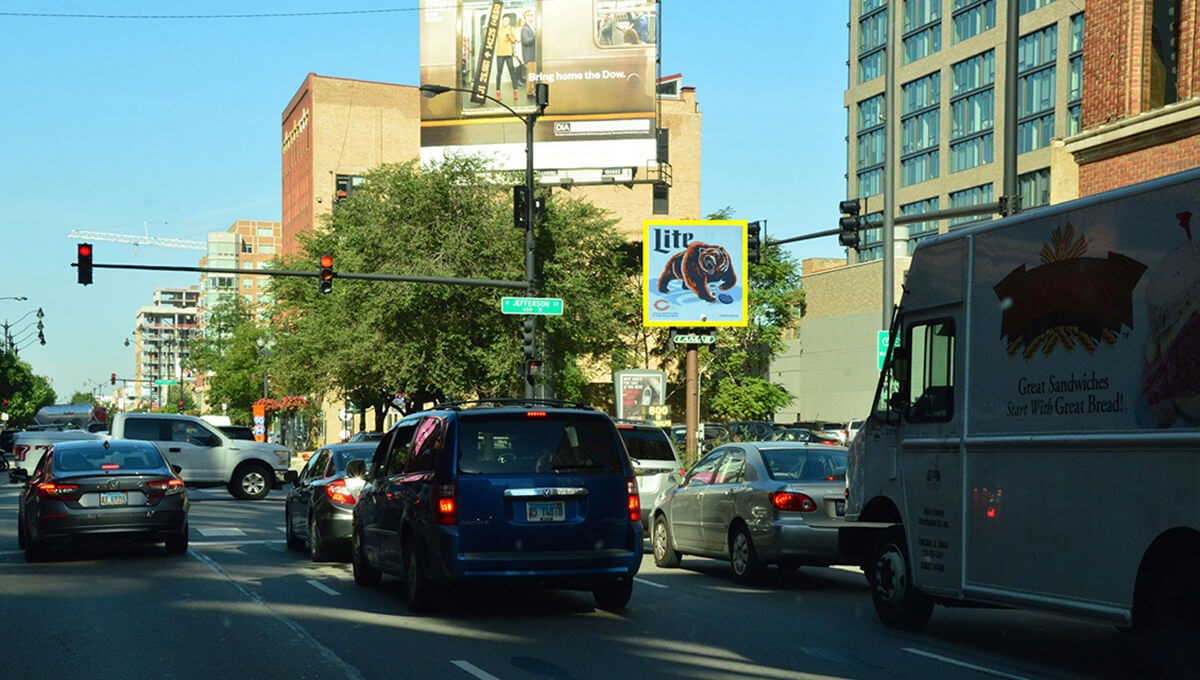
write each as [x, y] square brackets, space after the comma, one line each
[320, 504]
[535, 492]
[102, 490]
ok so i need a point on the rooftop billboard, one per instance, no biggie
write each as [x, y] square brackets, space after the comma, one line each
[597, 56]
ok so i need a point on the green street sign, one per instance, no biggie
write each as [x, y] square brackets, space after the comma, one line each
[531, 305]
[693, 339]
[883, 340]
[170, 381]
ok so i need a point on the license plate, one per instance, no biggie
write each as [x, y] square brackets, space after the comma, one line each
[552, 511]
[839, 507]
[113, 498]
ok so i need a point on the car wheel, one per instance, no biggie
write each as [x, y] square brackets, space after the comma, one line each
[293, 541]
[897, 602]
[664, 555]
[747, 568]
[251, 483]
[316, 548]
[178, 545]
[1171, 638]
[21, 531]
[613, 595]
[364, 573]
[417, 588]
[35, 550]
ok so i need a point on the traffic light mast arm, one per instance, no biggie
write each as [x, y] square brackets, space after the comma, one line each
[484, 283]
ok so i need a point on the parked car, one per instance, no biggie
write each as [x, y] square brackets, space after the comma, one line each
[101, 490]
[365, 436]
[319, 507]
[653, 458]
[755, 504]
[750, 430]
[518, 491]
[800, 434]
[242, 432]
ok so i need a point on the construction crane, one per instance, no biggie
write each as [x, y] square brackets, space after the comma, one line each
[135, 240]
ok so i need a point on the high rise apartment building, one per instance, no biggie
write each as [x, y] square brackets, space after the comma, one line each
[162, 332]
[248, 245]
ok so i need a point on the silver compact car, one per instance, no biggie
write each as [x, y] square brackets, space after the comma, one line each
[755, 504]
[102, 490]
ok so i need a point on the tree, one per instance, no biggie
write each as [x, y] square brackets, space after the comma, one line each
[431, 341]
[23, 391]
[229, 356]
[82, 398]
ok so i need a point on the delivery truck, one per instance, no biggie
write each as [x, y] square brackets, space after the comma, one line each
[1035, 436]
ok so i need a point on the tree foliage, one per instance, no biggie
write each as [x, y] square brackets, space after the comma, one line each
[229, 357]
[370, 339]
[25, 392]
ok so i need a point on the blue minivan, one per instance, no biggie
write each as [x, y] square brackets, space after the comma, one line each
[533, 491]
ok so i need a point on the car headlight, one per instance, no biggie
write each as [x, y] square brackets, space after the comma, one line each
[284, 456]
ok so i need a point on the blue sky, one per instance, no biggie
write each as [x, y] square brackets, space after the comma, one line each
[171, 127]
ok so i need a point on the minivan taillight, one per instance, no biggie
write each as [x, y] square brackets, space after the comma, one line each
[339, 492]
[443, 498]
[635, 501]
[791, 501]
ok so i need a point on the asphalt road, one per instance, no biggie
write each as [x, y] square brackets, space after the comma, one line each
[239, 605]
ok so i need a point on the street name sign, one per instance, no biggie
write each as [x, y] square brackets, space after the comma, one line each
[693, 339]
[171, 381]
[531, 305]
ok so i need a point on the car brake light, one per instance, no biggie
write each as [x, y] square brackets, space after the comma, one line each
[790, 501]
[447, 511]
[110, 466]
[68, 492]
[635, 500]
[338, 492]
[164, 487]
[535, 414]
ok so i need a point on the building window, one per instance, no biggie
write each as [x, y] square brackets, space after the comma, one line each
[920, 231]
[247, 247]
[872, 42]
[1027, 6]
[344, 185]
[1034, 188]
[922, 29]
[1164, 53]
[871, 146]
[266, 250]
[972, 112]
[972, 17]
[871, 244]
[1036, 57]
[921, 128]
[979, 195]
[1075, 77]
[265, 232]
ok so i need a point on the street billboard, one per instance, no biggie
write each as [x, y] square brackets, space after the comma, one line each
[694, 273]
[597, 56]
[641, 395]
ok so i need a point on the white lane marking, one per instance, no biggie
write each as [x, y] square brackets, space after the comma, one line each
[648, 583]
[351, 673]
[963, 664]
[474, 670]
[323, 588]
[220, 531]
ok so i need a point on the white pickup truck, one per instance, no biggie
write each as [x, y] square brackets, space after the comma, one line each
[206, 456]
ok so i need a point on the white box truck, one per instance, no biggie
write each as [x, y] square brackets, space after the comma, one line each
[1035, 436]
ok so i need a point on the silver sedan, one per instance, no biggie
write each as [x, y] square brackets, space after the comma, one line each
[755, 504]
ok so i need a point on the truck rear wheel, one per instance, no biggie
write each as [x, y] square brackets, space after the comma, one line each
[1172, 639]
[897, 602]
[251, 482]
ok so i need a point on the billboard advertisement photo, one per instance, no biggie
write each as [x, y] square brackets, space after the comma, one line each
[598, 58]
[694, 273]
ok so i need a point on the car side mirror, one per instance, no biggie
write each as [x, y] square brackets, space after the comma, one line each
[291, 477]
[356, 468]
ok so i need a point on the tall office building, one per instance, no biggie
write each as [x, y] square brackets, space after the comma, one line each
[248, 245]
[162, 333]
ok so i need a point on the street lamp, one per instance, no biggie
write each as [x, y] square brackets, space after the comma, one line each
[541, 100]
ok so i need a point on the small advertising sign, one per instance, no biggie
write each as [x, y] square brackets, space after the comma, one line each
[694, 273]
[640, 394]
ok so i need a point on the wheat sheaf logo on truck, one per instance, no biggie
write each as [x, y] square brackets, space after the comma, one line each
[1069, 300]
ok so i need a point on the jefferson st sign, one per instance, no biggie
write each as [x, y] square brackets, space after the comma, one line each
[531, 305]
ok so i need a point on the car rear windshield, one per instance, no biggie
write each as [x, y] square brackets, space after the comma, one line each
[647, 444]
[805, 465]
[106, 459]
[536, 443]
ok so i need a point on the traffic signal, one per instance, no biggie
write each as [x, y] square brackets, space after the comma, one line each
[850, 223]
[753, 241]
[112, 379]
[83, 262]
[528, 329]
[533, 368]
[520, 206]
[180, 402]
[326, 276]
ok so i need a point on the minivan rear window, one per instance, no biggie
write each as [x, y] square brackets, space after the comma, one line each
[647, 444]
[546, 443]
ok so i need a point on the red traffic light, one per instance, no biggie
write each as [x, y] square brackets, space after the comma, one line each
[112, 379]
[325, 279]
[84, 263]
[85, 249]
[326, 261]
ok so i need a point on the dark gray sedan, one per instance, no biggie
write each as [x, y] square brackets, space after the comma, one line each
[320, 504]
[755, 504]
[102, 490]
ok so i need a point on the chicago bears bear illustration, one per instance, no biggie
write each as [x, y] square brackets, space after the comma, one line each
[697, 267]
